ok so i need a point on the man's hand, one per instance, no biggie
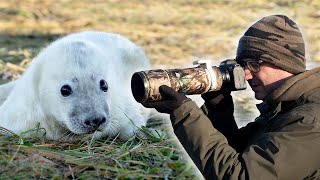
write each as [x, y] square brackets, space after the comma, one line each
[171, 100]
[213, 98]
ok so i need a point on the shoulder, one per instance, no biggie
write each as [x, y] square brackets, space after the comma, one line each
[305, 116]
[312, 96]
[308, 104]
[303, 113]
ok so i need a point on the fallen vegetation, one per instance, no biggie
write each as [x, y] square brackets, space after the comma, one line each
[152, 157]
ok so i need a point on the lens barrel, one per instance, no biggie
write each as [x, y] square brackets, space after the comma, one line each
[145, 84]
[197, 80]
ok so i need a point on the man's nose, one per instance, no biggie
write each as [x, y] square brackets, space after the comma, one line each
[247, 73]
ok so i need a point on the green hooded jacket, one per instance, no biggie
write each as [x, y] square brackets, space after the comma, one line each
[282, 143]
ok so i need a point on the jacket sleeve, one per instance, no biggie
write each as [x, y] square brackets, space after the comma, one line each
[283, 153]
[208, 148]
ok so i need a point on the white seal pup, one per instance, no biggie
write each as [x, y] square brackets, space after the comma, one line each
[79, 84]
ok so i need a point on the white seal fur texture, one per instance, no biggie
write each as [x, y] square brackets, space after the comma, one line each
[79, 84]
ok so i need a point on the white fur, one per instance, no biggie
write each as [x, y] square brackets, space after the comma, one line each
[79, 60]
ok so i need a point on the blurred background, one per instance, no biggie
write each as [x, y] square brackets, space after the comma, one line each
[172, 32]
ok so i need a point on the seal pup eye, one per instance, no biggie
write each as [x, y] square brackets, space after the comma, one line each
[103, 85]
[66, 90]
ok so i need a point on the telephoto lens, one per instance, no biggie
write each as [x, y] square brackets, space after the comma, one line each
[197, 80]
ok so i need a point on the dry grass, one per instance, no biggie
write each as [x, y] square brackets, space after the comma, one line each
[152, 157]
[172, 32]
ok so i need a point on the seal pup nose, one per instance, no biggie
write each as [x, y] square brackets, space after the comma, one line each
[95, 122]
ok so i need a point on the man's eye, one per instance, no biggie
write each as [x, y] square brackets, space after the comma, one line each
[243, 65]
[254, 64]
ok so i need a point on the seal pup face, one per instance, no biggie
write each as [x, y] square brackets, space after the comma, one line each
[74, 87]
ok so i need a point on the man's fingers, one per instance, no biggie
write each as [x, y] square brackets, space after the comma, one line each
[167, 92]
[149, 104]
[153, 104]
[160, 106]
[170, 100]
[213, 94]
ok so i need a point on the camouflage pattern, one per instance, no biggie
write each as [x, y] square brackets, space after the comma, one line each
[186, 81]
[274, 39]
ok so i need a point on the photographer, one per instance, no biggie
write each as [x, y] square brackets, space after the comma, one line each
[284, 141]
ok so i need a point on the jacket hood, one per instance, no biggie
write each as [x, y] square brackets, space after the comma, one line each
[296, 86]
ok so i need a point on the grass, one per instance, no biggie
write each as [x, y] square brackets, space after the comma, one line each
[153, 157]
[173, 34]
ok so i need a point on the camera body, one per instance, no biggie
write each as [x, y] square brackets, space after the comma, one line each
[233, 76]
[228, 76]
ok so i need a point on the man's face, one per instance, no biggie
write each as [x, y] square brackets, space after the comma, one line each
[266, 80]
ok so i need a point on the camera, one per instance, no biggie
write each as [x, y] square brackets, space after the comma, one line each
[228, 76]
[233, 76]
